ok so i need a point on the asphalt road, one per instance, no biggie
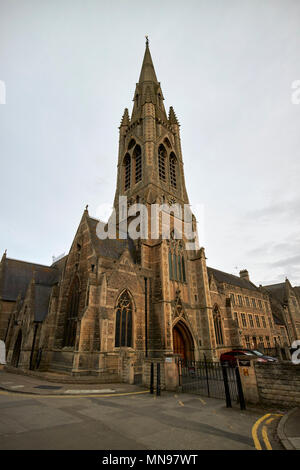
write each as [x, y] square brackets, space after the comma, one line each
[129, 422]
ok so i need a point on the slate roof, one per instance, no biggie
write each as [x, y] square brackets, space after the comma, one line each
[41, 301]
[110, 248]
[278, 291]
[18, 274]
[230, 279]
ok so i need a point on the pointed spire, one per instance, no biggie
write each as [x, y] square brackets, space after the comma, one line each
[172, 117]
[147, 72]
[125, 121]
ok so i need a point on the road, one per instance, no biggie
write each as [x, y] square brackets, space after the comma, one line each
[131, 422]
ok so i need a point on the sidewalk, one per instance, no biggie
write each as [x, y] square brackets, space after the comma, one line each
[24, 384]
[289, 430]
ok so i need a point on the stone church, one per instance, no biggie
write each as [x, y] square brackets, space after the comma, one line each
[111, 304]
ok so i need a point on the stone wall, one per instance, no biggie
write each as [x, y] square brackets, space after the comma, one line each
[279, 383]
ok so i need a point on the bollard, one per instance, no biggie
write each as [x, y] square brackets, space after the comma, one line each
[151, 378]
[226, 386]
[240, 389]
[158, 380]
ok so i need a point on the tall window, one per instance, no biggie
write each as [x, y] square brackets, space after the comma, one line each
[170, 265]
[183, 270]
[257, 321]
[251, 321]
[244, 321]
[162, 162]
[127, 171]
[173, 164]
[72, 315]
[218, 326]
[123, 335]
[137, 154]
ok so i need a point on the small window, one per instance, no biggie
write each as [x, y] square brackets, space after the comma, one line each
[173, 166]
[137, 154]
[127, 171]
[162, 162]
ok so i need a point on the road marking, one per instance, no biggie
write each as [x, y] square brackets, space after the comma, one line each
[202, 401]
[254, 431]
[104, 390]
[36, 395]
[180, 403]
[255, 427]
[16, 386]
[265, 438]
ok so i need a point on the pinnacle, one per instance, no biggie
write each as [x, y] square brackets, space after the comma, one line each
[172, 116]
[125, 121]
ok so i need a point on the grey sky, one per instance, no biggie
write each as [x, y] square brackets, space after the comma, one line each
[70, 68]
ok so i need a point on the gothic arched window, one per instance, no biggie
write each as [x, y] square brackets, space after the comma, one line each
[162, 162]
[72, 315]
[173, 164]
[127, 171]
[123, 335]
[137, 154]
[218, 326]
[131, 144]
[170, 265]
[183, 270]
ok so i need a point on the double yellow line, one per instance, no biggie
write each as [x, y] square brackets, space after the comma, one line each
[266, 420]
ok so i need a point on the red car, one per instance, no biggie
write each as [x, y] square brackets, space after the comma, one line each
[230, 357]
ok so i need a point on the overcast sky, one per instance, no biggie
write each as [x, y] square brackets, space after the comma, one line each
[227, 67]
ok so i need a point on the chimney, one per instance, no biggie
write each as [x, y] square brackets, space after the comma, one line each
[244, 275]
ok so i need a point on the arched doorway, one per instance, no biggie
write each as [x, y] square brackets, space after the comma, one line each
[183, 343]
[17, 350]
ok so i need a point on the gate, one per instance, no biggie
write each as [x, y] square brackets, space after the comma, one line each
[211, 379]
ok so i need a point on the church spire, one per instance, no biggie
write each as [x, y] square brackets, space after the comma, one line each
[148, 89]
[147, 71]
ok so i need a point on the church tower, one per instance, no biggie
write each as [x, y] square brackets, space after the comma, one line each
[150, 171]
[150, 167]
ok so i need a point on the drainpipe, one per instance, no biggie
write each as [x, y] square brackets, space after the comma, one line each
[146, 317]
[36, 325]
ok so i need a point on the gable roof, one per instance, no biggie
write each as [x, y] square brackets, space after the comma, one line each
[41, 301]
[17, 275]
[230, 279]
[278, 291]
[110, 248]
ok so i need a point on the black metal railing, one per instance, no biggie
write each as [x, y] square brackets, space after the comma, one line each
[211, 379]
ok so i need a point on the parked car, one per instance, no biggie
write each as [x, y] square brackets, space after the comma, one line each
[230, 357]
[262, 357]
